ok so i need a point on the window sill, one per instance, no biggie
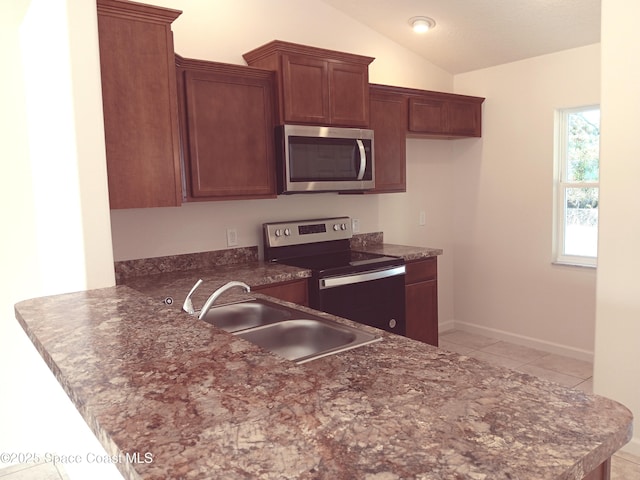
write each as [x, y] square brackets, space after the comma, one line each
[574, 264]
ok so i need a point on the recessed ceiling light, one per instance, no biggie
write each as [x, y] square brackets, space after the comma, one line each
[422, 24]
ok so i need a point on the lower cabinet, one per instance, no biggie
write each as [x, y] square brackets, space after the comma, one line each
[295, 291]
[421, 300]
[601, 472]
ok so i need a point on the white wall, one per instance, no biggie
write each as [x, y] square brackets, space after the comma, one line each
[54, 206]
[617, 365]
[504, 281]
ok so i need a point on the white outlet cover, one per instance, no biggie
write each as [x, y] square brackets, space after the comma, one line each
[232, 237]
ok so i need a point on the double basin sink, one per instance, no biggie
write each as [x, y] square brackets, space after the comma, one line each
[293, 334]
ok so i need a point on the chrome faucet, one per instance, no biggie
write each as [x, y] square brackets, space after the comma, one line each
[187, 306]
[214, 296]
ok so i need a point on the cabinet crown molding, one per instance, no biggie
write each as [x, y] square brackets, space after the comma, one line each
[220, 67]
[141, 11]
[280, 47]
[415, 92]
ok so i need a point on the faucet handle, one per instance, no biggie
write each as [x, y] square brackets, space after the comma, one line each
[187, 306]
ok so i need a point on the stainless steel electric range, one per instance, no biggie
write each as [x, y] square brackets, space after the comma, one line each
[363, 287]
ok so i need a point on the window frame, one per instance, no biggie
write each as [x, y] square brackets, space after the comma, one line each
[562, 184]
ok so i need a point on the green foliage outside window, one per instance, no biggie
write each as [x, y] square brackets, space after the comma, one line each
[583, 157]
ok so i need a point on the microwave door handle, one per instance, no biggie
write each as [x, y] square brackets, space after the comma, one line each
[363, 159]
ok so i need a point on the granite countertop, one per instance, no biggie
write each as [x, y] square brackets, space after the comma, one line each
[177, 285]
[204, 404]
[407, 252]
[174, 276]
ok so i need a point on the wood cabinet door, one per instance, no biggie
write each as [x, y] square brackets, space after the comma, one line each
[305, 89]
[601, 472]
[348, 94]
[388, 121]
[422, 311]
[427, 115]
[229, 119]
[463, 119]
[139, 105]
[421, 300]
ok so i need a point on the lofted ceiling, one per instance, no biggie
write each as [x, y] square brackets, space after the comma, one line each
[474, 34]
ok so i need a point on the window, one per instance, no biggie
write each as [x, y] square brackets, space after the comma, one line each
[577, 185]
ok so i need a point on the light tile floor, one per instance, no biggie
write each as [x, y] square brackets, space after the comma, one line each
[564, 370]
[38, 471]
[567, 371]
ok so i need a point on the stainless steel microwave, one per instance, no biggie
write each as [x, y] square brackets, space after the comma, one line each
[324, 159]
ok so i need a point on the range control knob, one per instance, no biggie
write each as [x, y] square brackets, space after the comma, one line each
[343, 226]
[287, 232]
[278, 232]
[336, 227]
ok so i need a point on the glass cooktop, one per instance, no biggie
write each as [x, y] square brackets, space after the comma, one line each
[337, 263]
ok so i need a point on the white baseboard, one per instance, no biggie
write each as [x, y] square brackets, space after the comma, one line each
[531, 342]
[446, 326]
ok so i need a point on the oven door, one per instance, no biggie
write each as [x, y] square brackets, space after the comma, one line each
[374, 298]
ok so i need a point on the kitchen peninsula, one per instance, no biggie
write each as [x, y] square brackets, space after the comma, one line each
[148, 378]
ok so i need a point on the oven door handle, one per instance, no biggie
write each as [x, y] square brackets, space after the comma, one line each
[332, 282]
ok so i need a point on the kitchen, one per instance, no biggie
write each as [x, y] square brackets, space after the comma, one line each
[435, 169]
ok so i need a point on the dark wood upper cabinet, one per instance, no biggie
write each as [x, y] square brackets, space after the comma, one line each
[389, 123]
[139, 104]
[316, 86]
[227, 128]
[444, 115]
[465, 117]
[398, 112]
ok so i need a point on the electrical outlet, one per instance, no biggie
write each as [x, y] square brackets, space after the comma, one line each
[355, 225]
[232, 237]
[422, 219]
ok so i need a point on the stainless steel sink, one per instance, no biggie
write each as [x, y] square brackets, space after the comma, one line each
[304, 339]
[234, 317]
[293, 334]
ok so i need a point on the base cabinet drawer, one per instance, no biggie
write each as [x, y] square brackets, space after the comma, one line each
[421, 300]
